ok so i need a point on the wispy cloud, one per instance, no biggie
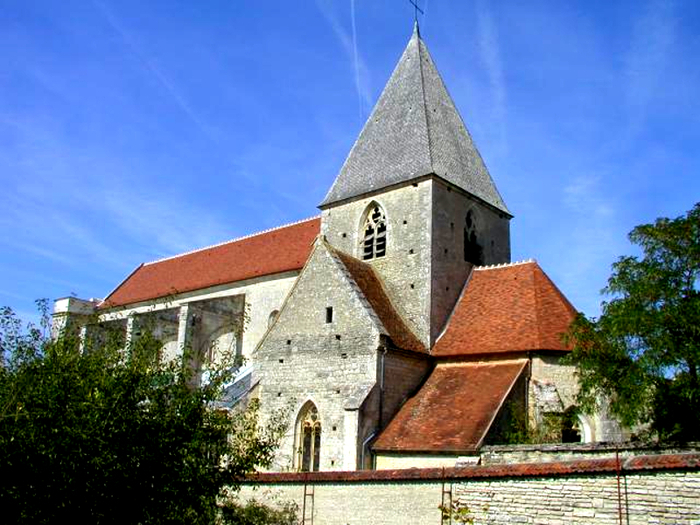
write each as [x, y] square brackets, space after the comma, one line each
[153, 69]
[650, 50]
[349, 45]
[593, 239]
[491, 57]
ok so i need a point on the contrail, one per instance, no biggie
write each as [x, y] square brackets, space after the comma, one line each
[152, 68]
[355, 59]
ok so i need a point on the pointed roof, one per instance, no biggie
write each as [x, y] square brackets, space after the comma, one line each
[414, 130]
[507, 308]
[454, 410]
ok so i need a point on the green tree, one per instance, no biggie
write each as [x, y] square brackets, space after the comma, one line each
[642, 354]
[99, 436]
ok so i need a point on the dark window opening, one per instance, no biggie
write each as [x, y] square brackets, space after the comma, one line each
[570, 431]
[473, 252]
[329, 314]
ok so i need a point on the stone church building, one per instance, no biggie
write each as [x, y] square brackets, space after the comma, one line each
[394, 328]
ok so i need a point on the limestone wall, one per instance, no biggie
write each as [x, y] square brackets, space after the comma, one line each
[662, 489]
[405, 270]
[332, 363]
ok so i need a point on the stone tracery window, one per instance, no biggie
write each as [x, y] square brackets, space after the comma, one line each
[374, 233]
[308, 439]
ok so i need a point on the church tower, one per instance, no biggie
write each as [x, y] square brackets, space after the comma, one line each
[414, 198]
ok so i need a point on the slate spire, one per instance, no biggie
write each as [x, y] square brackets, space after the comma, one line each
[414, 130]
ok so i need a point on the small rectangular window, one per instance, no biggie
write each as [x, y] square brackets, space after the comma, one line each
[329, 314]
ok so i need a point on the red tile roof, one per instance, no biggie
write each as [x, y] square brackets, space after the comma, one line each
[507, 308]
[453, 410]
[274, 251]
[364, 275]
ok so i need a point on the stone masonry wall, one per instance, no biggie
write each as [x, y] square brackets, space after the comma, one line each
[333, 364]
[405, 270]
[449, 269]
[661, 489]
[402, 375]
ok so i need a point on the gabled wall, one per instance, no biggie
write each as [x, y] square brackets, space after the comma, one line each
[334, 365]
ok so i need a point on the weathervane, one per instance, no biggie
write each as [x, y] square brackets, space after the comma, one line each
[416, 10]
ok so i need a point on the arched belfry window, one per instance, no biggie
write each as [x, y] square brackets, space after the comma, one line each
[308, 438]
[374, 233]
[473, 252]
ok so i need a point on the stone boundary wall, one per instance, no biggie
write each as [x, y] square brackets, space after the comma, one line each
[663, 489]
[543, 452]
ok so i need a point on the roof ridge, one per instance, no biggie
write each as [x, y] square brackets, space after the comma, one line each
[230, 241]
[504, 265]
[425, 102]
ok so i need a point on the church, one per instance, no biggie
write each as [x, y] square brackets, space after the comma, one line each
[393, 328]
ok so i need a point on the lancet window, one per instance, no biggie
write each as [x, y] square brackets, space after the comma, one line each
[308, 438]
[473, 252]
[374, 230]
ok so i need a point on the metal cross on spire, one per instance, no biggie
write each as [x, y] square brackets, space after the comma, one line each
[416, 10]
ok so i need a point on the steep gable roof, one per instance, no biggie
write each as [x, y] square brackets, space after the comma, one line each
[507, 308]
[371, 287]
[454, 410]
[274, 251]
[414, 130]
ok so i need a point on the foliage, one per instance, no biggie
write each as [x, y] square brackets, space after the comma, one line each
[456, 513]
[254, 513]
[513, 427]
[99, 435]
[642, 354]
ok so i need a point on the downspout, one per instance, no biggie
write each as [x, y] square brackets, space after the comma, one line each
[381, 386]
[364, 446]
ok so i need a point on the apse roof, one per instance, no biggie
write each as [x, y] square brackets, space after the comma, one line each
[414, 130]
[273, 251]
[454, 410]
[506, 308]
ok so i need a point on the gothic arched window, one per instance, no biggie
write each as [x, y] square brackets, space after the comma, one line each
[374, 233]
[308, 439]
[473, 252]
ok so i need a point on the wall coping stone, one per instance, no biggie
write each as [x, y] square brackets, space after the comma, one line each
[599, 446]
[659, 462]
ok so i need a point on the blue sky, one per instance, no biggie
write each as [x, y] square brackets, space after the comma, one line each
[131, 131]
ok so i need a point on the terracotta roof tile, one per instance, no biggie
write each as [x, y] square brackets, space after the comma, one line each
[507, 308]
[364, 275]
[593, 467]
[453, 410]
[274, 251]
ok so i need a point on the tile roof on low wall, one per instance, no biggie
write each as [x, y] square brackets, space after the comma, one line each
[274, 251]
[610, 466]
[453, 410]
[507, 308]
